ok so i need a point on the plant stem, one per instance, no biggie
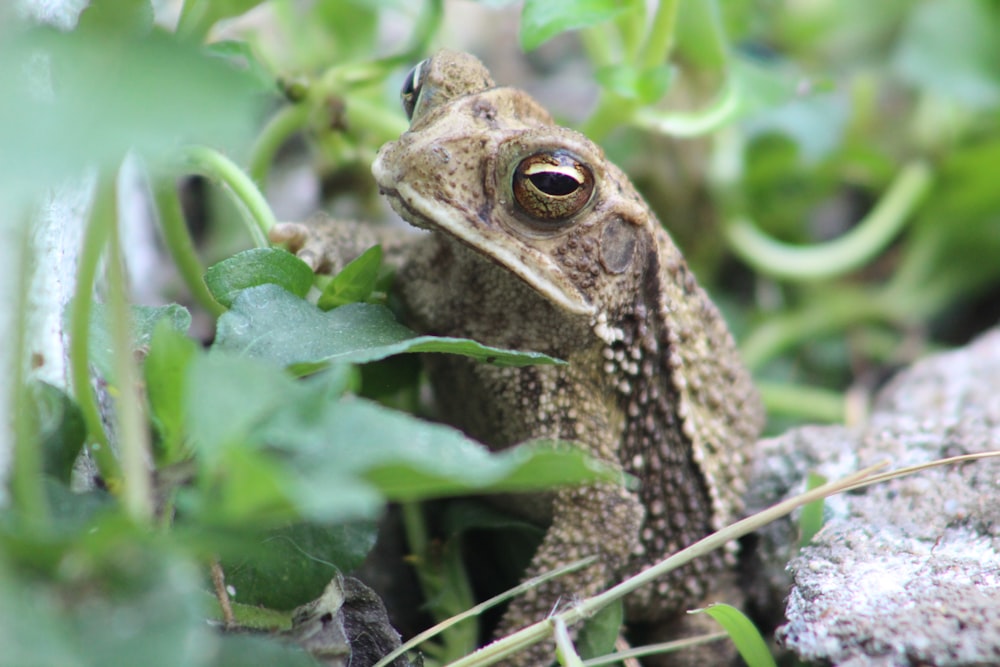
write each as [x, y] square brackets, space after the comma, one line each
[597, 44]
[282, 125]
[809, 403]
[259, 218]
[689, 124]
[611, 111]
[26, 480]
[94, 240]
[660, 38]
[133, 436]
[630, 27]
[362, 113]
[426, 26]
[847, 253]
[178, 240]
[822, 314]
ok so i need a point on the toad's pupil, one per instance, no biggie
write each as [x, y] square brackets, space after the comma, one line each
[554, 183]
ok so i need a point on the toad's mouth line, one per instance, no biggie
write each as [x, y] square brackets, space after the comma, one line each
[530, 266]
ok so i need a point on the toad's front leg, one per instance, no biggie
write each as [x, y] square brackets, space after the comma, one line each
[602, 521]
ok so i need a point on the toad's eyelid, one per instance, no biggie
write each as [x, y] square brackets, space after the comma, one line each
[409, 94]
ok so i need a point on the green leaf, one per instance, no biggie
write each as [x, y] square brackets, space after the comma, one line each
[811, 519]
[86, 98]
[75, 511]
[355, 281]
[226, 398]
[407, 458]
[342, 30]
[145, 320]
[964, 194]
[645, 85]
[700, 34]
[267, 322]
[274, 449]
[135, 605]
[542, 20]
[131, 17]
[61, 430]
[949, 47]
[242, 55]
[752, 647]
[249, 650]
[258, 266]
[198, 16]
[600, 631]
[292, 564]
[165, 368]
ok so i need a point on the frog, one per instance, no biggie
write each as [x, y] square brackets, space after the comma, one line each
[536, 241]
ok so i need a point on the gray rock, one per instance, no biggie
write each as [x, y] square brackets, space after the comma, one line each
[905, 572]
[347, 626]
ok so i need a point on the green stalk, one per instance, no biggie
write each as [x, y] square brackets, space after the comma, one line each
[630, 27]
[810, 403]
[259, 218]
[824, 313]
[660, 38]
[133, 436]
[611, 112]
[362, 113]
[26, 480]
[597, 43]
[94, 240]
[178, 240]
[427, 25]
[847, 253]
[282, 125]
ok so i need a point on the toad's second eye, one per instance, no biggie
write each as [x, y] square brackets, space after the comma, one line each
[410, 92]
[552, 186]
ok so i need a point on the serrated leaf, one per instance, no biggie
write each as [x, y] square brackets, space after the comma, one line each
[743, 633]
[543, 19]
[267, 322]
[258, 266]
[355, 281]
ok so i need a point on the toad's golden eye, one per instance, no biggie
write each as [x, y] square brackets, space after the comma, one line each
[552, 186]
[410, 92]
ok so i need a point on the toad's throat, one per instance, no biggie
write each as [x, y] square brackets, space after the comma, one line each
[531, 266]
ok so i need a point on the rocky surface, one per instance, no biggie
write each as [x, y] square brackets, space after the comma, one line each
[905, 572]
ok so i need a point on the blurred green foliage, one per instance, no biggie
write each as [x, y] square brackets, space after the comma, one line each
[828, 167]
